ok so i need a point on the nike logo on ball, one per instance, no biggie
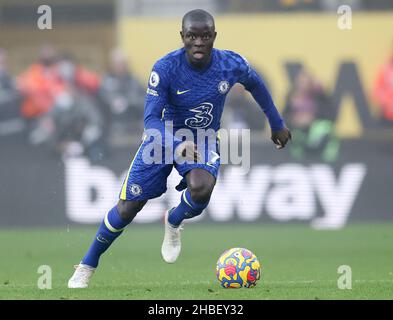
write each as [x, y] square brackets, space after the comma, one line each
[181, 92]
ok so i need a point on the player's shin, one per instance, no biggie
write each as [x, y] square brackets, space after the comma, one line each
[110, 228]
[187, 209]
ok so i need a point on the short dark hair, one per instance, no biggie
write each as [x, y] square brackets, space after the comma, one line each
[198, 15]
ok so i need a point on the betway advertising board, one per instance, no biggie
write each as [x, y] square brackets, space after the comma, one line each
[39, 189]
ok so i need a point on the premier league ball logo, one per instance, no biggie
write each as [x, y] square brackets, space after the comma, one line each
[154, 79]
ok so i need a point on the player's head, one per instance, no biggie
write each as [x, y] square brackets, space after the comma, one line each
[198, 35]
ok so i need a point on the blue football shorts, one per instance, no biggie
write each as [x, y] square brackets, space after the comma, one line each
[149, 180]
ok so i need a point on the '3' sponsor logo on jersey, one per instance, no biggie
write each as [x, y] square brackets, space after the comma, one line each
[202, 118]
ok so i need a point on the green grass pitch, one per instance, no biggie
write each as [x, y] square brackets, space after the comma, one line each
[297, 262]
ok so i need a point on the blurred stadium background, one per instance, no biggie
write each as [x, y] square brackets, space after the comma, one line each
[71, 106]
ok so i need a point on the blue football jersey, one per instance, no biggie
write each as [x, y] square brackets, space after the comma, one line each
[194, 98]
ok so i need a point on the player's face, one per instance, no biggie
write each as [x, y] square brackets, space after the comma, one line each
[198, 39]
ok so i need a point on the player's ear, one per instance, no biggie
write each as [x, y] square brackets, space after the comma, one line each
[182, 36]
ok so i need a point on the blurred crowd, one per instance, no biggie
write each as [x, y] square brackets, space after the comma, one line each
[60, 103]
[300, 5]
[383, 90]
[310, 114]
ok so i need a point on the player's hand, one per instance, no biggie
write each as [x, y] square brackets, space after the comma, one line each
[280, 138]
[188, 151]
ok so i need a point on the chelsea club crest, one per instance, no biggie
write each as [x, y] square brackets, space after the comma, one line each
[223, 87]
[136, 189]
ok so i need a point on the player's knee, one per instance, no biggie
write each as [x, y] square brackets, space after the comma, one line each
[200, 193]
[129, 209]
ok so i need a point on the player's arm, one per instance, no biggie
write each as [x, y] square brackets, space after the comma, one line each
[256, 86]
[157, 97]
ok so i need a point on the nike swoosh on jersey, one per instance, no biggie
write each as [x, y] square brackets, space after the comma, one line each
[181, 92]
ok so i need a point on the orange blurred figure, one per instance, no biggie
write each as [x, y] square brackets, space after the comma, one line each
[383, 89]
[39, 84]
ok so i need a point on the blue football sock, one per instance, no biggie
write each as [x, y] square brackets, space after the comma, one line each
[187, 209]
[110, 228]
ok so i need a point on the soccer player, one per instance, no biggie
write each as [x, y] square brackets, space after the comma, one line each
[188, 88]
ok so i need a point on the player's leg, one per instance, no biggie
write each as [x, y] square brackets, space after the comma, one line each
[110, 228]
[199, 180]
[143, 182]
[200, 185]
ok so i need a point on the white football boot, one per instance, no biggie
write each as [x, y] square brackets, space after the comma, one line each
[171, 246]
[81, 277]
